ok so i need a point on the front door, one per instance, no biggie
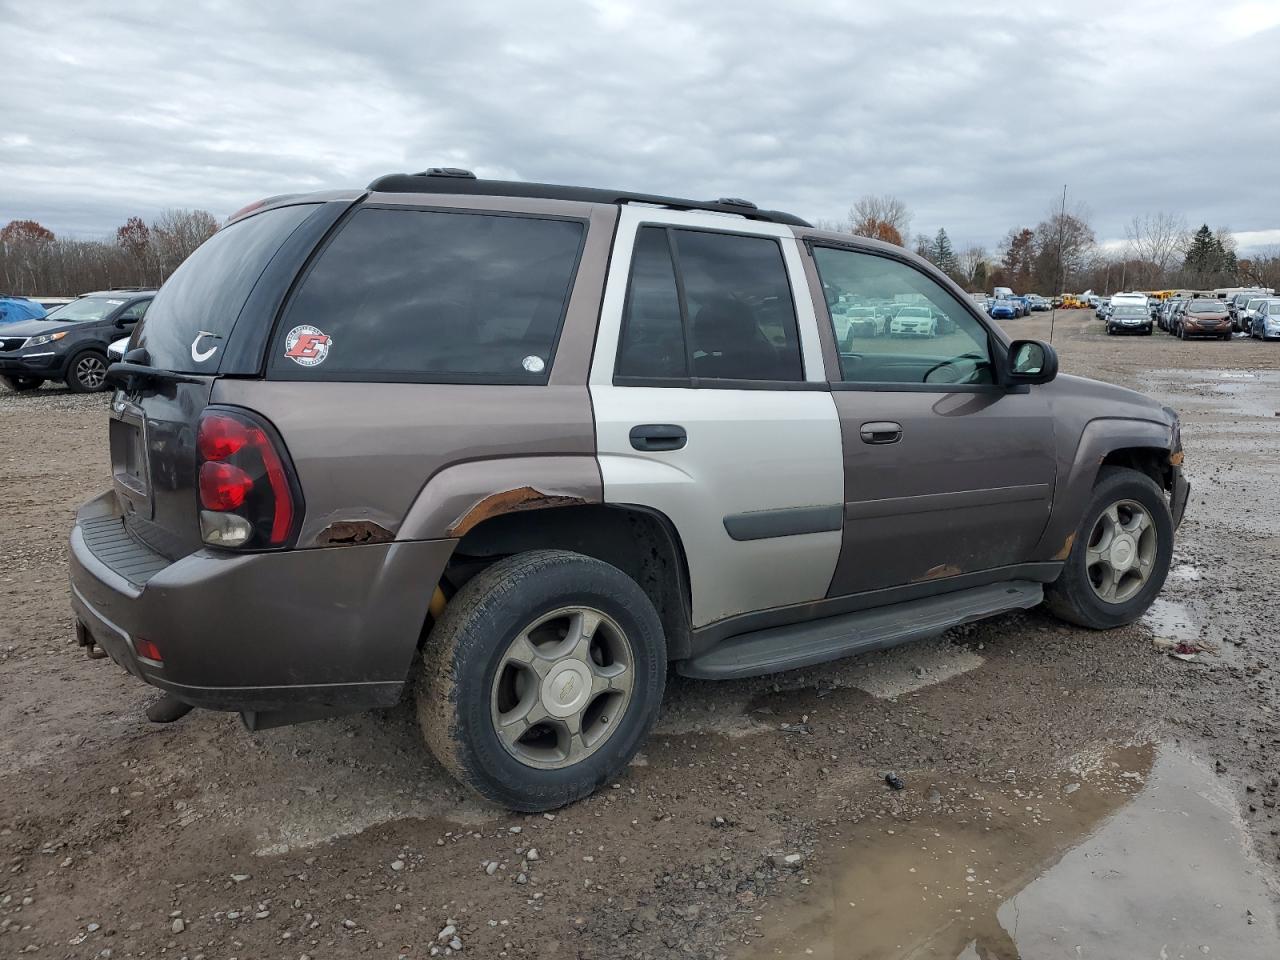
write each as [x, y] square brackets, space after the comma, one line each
[946, 472]
[712, 407]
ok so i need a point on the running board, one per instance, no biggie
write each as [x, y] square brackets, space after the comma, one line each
[817, 641]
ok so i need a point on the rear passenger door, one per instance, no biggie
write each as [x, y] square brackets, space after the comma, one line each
[947, 472]
[712, 407]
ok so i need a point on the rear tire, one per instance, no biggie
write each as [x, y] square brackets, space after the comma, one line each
[492, 662]
[22, 384]
[87, 371]
[1075, 596]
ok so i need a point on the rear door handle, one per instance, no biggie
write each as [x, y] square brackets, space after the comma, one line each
[658, 436]
[881, 431]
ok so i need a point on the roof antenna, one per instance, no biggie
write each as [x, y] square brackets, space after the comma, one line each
[1062, 218]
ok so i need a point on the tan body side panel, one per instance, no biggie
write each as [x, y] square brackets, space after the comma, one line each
[365, 451]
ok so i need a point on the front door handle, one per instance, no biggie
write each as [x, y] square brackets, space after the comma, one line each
[881, 431]
[658, 436]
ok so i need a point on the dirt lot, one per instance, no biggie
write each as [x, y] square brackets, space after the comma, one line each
[1064, 789]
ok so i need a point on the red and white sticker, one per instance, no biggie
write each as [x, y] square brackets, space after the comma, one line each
[307, 346]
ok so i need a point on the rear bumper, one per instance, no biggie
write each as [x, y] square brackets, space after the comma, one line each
[329, 629]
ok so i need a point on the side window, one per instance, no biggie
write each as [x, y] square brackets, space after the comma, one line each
[895, 324]
[741, 319]
[721, 311]
[652, 341]
[432, 297]
[135, 311]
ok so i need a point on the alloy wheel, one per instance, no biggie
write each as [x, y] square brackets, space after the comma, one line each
[562, 687]
[91, 372]
[1121, 554]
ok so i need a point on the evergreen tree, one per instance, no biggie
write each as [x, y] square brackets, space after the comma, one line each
[1208, 262]
[943, 255]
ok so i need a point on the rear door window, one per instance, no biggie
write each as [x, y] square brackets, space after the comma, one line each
[433, 297]
[192, 315]
[719, 313]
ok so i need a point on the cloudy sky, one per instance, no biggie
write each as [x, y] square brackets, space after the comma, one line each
[975, 114]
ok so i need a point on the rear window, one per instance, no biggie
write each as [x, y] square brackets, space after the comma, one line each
[432, 297]
[192, 315]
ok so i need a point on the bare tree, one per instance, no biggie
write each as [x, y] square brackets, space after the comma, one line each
[177, 233]
[882, 217]
[972, 263]
[1159, 240]
[35, 262]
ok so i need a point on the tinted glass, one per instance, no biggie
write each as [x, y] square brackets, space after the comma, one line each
[427, 296]
[1124, 310]
[937, 341]
[206, 293]
[1204, 306]
[741, 319]
[652, 340]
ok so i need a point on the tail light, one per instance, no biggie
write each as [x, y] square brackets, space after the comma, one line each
[248, 496]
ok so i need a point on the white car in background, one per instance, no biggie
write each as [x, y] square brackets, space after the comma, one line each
[914, 322]
[116, 349]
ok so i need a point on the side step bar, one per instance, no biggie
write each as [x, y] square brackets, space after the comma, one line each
[817, 641]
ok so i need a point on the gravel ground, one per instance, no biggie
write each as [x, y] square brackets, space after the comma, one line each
[123, 839]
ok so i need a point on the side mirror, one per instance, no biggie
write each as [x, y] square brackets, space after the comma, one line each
[124, 322]
[1032, 361]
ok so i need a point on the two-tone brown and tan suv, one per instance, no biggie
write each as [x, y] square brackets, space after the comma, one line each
[516, 449]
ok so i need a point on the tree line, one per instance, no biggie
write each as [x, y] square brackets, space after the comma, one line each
[1061, 253]
[35, 262]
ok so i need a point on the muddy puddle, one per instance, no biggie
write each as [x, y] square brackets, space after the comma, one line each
[1135, 852]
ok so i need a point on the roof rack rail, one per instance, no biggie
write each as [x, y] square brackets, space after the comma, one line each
[457, 181]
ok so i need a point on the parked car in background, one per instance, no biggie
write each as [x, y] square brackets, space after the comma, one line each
[1245, 314]
[1129, 318]
[858, 322]
[1265, 323]
[1023, 303]
[70, 343]
[16, 309]
[1205, 318]
[1004, 310]
[1102, 307]
[914, 322]
[1165, 314]
[52, 303]
[1038, 303]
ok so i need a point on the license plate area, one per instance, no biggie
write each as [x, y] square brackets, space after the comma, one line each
[130, 471]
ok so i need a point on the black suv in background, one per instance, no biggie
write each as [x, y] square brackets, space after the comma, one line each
[70, 343]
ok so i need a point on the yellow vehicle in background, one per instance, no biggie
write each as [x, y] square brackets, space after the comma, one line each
[1071, 302]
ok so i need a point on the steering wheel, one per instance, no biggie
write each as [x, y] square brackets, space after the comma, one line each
[955, 375]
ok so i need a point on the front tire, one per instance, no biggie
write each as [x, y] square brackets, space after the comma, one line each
[1120, 556]
[542, 678]
[87, 372]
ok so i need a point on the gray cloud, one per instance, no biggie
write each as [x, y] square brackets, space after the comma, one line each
[975, 116]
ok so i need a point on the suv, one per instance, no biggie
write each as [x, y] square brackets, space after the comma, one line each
[70, 343]
[514, 449]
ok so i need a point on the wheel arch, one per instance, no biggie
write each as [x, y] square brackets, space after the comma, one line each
[1143, 445]
[643, 543]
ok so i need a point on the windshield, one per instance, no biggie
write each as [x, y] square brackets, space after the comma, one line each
[85, 309]
[915, 312]
[1126, 310]
[1255, 304]
[1204, 306]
